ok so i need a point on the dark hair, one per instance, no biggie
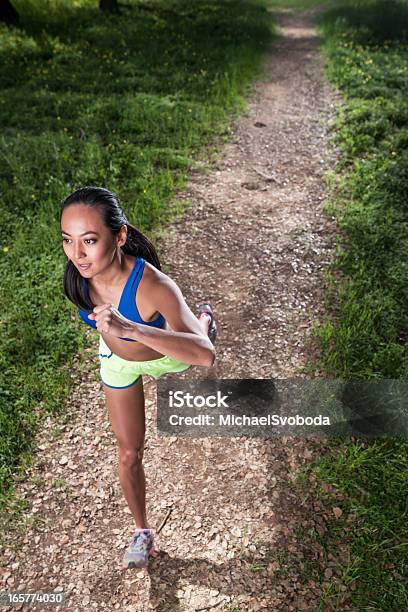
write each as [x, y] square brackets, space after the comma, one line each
[114, 218]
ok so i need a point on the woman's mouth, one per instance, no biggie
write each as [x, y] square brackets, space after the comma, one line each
[84, 266]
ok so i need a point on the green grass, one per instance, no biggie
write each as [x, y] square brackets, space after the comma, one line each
[374, 480]
[297, 5]
[366, 331]
[367, 55]
[129, 102]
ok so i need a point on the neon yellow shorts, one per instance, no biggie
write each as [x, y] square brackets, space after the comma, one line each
[120, 373]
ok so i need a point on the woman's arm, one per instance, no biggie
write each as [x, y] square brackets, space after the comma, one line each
[186, 341]
[188, 347]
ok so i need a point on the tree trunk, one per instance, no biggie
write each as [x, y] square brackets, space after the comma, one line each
[8, 13]
[108, 6]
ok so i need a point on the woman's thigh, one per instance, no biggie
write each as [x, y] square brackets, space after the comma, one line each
[126, 409]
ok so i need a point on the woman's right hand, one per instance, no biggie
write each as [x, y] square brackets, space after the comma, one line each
[109, 323]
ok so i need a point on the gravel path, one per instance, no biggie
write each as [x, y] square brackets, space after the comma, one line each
[256, 243]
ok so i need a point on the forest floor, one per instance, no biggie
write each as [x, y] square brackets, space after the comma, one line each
[256, 243]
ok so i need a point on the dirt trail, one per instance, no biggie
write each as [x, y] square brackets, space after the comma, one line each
[256, 243]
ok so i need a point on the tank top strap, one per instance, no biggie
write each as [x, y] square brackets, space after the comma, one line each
[129, 291]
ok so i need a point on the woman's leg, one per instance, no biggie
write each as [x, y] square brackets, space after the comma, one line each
[127, 417]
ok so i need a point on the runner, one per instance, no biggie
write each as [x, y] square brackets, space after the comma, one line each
[113, 276]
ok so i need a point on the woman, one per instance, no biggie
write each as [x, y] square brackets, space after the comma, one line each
[111, 265]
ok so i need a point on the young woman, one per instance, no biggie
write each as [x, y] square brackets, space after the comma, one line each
[111, 265]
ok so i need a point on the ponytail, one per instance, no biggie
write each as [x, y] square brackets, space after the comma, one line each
[139, 245]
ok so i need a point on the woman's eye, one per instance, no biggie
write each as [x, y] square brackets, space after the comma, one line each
[87, 240]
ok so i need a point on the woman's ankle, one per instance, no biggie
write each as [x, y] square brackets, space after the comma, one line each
[205, 319]
[144, 524]
[138, 529]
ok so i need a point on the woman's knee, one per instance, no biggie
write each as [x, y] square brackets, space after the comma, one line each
[131, 457]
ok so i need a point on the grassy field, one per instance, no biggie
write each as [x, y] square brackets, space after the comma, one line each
[366, 333]
[128, 102]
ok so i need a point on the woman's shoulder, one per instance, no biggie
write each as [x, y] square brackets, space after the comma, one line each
[154, 280]
[152, 276]
[153, 289]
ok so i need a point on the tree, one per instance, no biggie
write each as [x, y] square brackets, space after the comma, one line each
[8, 13]
[108, 6]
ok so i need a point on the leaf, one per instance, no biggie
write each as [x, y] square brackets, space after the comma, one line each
[337, 512]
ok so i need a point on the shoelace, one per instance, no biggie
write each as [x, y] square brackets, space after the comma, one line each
[140, 542]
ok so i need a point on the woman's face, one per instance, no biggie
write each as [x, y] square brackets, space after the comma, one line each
[87, 242]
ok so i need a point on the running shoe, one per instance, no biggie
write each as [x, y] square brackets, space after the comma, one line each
[140, 547]
[212, 329]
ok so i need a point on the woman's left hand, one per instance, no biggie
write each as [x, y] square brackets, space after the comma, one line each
[107, 322]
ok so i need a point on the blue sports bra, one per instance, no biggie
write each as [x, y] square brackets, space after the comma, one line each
[127, 305]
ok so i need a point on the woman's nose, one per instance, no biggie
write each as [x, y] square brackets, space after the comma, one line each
[79, 251]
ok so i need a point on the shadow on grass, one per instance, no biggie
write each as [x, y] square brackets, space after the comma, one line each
[373, 21]
[79, 65]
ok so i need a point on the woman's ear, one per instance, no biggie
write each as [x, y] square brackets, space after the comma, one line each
[122, 236]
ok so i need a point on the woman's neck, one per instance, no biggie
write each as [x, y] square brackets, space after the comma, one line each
[115, 274]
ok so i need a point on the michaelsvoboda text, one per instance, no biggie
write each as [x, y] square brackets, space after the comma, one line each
[231, 420]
